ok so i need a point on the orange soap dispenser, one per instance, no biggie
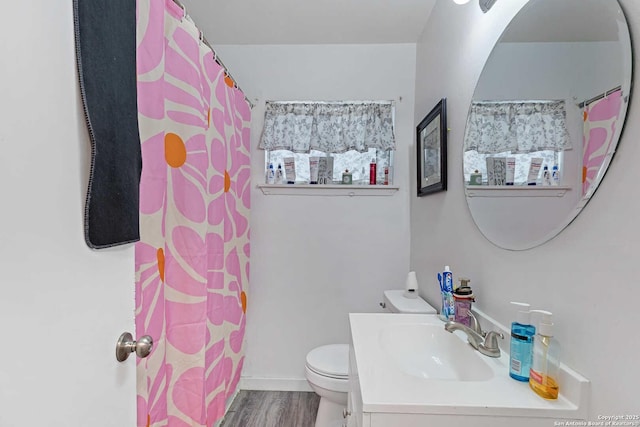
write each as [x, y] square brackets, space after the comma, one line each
[545, 367]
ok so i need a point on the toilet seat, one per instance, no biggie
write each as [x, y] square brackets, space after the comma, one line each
[330, 361]
[329, 384]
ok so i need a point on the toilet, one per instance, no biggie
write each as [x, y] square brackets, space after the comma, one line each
[327, 367]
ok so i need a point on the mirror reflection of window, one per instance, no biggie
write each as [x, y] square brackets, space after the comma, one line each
[475, 161]
[522, 129]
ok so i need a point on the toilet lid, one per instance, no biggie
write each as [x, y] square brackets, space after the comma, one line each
[330, 360]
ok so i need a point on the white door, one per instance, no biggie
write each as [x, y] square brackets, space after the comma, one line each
[62, 306]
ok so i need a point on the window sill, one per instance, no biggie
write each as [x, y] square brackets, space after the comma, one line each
[327, 190]
[516, 191]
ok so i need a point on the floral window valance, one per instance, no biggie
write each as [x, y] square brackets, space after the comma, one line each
[329, 127]
[517, 126]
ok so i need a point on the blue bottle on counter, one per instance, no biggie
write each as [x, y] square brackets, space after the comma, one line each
[522, 333]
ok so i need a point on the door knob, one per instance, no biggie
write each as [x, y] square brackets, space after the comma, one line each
[126, 345]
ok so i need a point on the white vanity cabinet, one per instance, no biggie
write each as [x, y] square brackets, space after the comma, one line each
[354, 401]
[405, 370]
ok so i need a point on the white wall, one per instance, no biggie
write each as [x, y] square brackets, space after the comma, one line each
[63, 306]
[551, 71]
[587, 275]
[302, 287]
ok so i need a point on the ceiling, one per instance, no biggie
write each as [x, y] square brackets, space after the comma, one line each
[309, 21]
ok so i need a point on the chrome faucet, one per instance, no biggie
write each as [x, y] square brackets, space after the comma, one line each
[474, 338]
[485, 343]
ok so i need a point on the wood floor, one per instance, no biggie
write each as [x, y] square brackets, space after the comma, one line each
[272, 409]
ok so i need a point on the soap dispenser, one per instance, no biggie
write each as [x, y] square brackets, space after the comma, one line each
[543, 377]
[462, 300]
[521, 353]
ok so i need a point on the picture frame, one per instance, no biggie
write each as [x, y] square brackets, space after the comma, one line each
[431, 150]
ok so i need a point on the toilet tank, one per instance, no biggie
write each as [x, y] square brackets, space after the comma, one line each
[395, 301]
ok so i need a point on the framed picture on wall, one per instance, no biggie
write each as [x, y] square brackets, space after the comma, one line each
[431, 153]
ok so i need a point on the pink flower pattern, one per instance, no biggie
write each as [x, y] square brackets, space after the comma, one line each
[192, 261]
[600, 126]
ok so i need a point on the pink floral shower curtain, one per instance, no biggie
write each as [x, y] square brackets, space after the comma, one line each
[192, 261]
[600, 126]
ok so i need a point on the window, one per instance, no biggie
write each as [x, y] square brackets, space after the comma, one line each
[352, 133]
[355, 162]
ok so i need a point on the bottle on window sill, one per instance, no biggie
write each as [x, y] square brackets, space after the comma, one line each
[279, 175]
[347, 177]
[546, 176]
[271, 174]
[372, 172]
[475, 178]
[363, 177]
[555, 175]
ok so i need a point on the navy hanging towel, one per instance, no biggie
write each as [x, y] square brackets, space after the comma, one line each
[105, 36]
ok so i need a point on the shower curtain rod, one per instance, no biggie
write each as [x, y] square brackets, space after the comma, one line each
[597, 97]
[215, 55]
[518, 101]
[381, 102]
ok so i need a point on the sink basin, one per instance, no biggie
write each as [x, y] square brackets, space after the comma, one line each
[427, 351]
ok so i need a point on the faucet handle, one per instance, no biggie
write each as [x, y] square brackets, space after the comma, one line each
[474, 324]
[491, 339]
[490, 345]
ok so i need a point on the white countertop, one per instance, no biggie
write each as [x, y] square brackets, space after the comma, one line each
[385, 388]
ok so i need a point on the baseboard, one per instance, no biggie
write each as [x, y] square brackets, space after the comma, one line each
[274, 384]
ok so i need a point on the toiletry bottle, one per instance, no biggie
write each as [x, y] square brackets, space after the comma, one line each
[475, 178]
[386, 175]
[543, 377]
[462, 300]
[372, 172]
[279, 175]
[363, 177]
[546, 176]
[521, 353]
[555, 175]
[271, 174]
[347, 177]
[443, 315]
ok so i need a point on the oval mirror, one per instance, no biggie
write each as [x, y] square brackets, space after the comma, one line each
[545, 119]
